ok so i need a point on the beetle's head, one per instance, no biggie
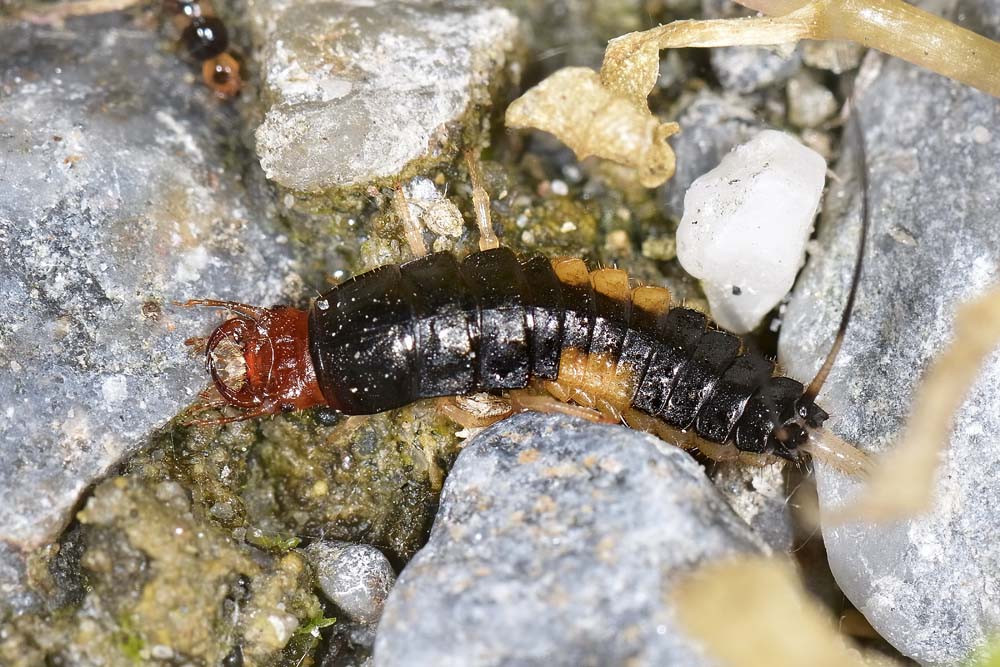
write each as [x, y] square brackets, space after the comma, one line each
[787, 438]
[259, 360]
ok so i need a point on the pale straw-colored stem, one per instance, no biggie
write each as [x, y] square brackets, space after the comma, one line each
[919, 37]
[631, 62]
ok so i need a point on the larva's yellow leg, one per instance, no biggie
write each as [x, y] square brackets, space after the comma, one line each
[476, 411]
[411, 229]
[525, 400]
[557, 390]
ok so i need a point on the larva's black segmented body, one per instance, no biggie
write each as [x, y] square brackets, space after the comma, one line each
[439, 327]
[436, 327]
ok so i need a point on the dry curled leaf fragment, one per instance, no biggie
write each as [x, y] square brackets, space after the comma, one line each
[577, 108]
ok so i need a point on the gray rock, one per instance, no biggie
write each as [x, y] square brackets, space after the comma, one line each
[759, 495]
[558, 543]
[355, 577]
[810, 103]
[711, 125]
[114, 202]
[575, 33]
[357, 92]
[931, 584]
[746, 69]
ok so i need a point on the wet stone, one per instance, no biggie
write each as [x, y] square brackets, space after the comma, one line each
[114, 203]
[928, 584]
[358, 92]
[558, 542]
[355, 577]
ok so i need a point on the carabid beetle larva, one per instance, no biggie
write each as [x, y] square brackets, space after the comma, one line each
[437, 326]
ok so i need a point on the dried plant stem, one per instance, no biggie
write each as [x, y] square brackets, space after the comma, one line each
[632, 62]
[55, 14]
[919, 37]
[767, 593]
[892, 26]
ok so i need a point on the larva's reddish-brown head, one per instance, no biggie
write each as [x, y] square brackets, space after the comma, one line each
[274, 370]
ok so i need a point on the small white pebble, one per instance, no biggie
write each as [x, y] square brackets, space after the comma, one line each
[161, 652]
[559, 188]
[981, 135]
[746, 223]
[567, 227]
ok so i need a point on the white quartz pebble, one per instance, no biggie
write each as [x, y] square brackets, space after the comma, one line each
[746, 224]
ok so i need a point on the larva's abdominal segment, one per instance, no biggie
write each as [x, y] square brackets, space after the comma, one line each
[437, 327]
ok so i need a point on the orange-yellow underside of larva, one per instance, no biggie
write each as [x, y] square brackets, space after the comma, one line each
[599, 381]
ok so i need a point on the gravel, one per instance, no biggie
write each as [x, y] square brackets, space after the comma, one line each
[746, 224]
[355, 577]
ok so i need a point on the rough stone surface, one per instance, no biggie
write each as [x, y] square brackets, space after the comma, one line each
[113, 203]
[746, 69]
[930, 585]
[357, 91]
[558, 543]
[759, 495]
[355, 577]
[746, 224]
[711, 125]
[574, 32]
[810, 103]
[833, 56]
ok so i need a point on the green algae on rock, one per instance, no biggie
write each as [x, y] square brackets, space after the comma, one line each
[373, 479]
[164, 584]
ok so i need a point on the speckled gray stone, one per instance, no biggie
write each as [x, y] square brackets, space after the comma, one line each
[558, 543]
[355, 577]
[759, 495]
[810, 103]
[930, 585]
[356, 91]
[746, 69]
[114, 202]
[711, 126]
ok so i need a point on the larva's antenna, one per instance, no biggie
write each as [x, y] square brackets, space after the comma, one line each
[817, 383]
